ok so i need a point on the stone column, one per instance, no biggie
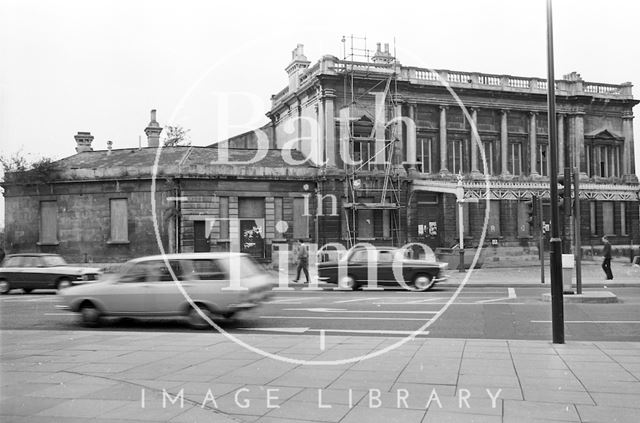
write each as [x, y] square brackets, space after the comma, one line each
[474, 143]
[398, 151]
[411, 138]
[330, 127]
[443, 139]
[319, 145]
[504, 142]
[561, 147]
[579, 157]
[628, 157]
[533, 144]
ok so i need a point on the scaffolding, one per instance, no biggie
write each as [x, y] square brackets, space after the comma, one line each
[358, 64]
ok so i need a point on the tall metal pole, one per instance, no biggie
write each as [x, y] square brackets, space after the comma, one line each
[557, 312]
[577, 220]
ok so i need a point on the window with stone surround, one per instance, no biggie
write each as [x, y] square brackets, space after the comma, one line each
[426, 155]
[514, 159]
[624, 231]
[603, 155]
[48, 223]
[542, 161]
[491, 155]
[119, 220]
[493, 228]
[456, 156]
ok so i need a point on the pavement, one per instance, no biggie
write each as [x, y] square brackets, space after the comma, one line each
[106, 376]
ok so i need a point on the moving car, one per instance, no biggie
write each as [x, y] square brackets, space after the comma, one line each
[41, 271]
[219, 284]
[352, 269]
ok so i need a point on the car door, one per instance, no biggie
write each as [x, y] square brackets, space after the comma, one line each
[42, 276]
[385, 267]
[358, 265]
[30, 274]
[12, 271]
[166, 296]
[130, 293]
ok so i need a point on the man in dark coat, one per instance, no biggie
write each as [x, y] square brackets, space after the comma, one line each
[303, 261]
[606, 263]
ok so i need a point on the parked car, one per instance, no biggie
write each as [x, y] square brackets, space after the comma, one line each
[42, 271]
[418, 275]
[220, 284]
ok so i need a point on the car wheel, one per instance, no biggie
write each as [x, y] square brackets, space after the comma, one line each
[27, 290]
[350, 282]
[423, 282]
[196, 321]
[5, 287]
[90, 315]
[63, 283]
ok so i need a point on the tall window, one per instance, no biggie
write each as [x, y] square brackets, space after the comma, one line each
[490, 155]
[119, 220]
[456, 156]
[603, 160]
[493, 230]
[48, 222]
[543, 159]
[514, 160]
[425, 155]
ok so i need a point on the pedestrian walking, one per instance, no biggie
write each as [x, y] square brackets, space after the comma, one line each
[303, 261]
[606, 263]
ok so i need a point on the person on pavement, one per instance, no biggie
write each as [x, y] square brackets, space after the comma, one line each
[606, 263]
[303, 261]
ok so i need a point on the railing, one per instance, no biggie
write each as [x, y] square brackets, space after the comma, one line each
[595, 88]
[332, 65]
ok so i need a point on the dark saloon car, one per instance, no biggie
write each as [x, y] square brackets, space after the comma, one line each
[351, 271]
[41, 271]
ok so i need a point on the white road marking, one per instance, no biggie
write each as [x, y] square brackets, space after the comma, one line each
[589, 321]
[491, 300]
[341, 318]
[512, 292]
[321, 340]
[288, 300]
[60, 314]
[287, 330]
[373, 331]
[337, 310]
[354, 300]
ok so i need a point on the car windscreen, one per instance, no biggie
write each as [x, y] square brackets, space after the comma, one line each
[51, 261]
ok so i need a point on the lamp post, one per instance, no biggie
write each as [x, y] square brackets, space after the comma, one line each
[557, 312]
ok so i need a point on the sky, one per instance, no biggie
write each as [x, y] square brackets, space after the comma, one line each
[102, 65]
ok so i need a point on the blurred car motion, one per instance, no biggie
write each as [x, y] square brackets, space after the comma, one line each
[41, 271]
[220, 284]
[417, 274]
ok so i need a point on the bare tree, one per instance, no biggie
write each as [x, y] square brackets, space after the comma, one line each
[176, 135]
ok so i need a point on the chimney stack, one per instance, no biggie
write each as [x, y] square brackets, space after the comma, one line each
[153, 131]
[109, 147]
[83, 141]
[382, 56]
[298, 65]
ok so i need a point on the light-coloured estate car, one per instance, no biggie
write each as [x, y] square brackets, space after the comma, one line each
[221, 284]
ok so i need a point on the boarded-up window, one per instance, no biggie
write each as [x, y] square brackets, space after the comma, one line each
[623, 219]
[524, 227]
[493, 230]
[300, 221]
[607, 218]
[48, 222]
[278, 216]
[592, 218]
[224, 218]
[119, 219]
[251, 208]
